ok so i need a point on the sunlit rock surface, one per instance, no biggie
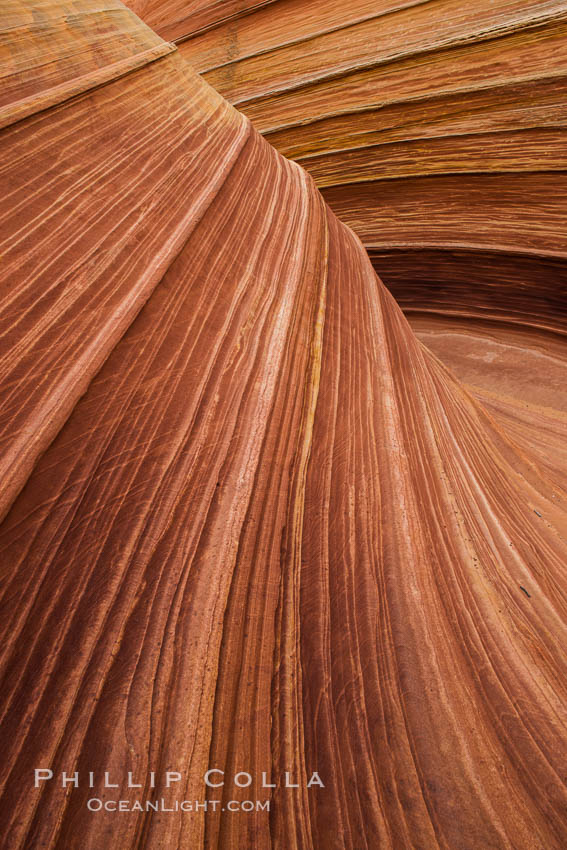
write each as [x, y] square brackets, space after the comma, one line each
[250, 521]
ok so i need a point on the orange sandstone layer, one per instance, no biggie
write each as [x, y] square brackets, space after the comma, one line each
[436, 129]
[250, 521]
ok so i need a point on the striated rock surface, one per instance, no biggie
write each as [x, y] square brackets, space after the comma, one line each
[250, 522]
[436, 130]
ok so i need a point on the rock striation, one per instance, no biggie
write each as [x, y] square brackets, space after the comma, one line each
[436, 130]
[249, 520]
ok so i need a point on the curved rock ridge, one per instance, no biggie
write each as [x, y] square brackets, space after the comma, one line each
[178, 19]
[90, 224]
[45, 44]
[251, 522]
[432, 127]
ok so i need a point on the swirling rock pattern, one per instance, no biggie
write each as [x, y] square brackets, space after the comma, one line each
[436, 129]
[249, 520]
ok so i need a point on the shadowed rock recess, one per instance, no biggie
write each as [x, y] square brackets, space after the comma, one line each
[252, 520]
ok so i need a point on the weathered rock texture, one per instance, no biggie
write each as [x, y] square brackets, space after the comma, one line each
[250, 521]
[436, 129]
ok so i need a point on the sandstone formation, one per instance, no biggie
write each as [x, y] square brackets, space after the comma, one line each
[431, 127]
[249, 520]
[436, 129]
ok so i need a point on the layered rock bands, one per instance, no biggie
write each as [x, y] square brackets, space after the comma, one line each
[250, 521]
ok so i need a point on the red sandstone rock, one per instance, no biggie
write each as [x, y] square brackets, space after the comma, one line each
[250, 521]
[436, 130]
